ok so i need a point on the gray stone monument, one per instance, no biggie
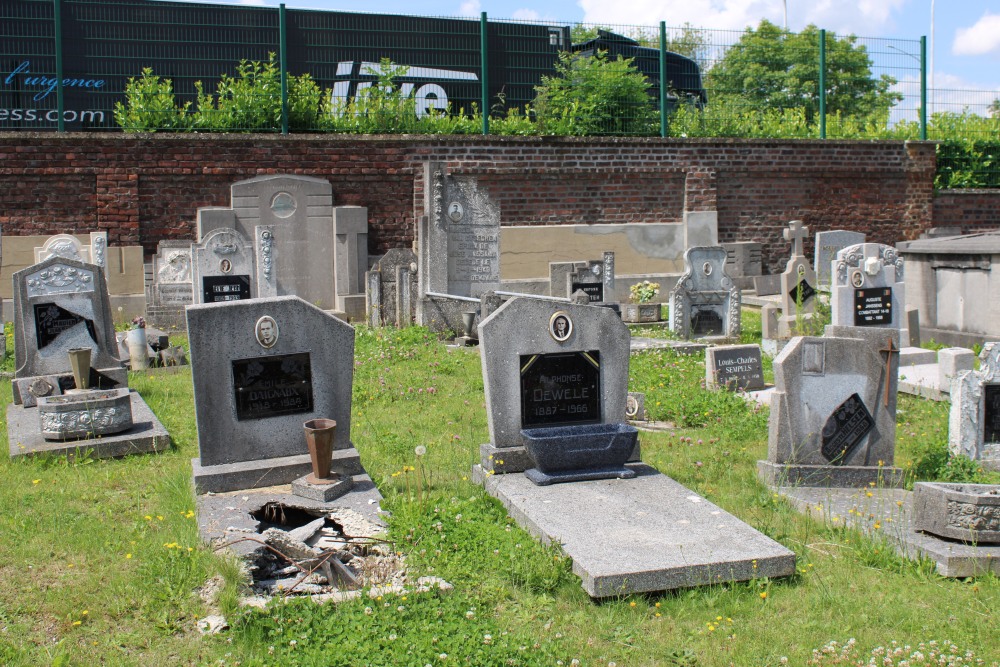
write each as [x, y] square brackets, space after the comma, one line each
[281, 362]
[828, 244]
[974, 420]
[743, 262]
[798, 283]
[172, 285]
[867, 287]
[62, 305]
[590, 276]
[68, 246]
[705, 301]
[350, 227]
[223, 267]
[395, 272]
[734, 367]
[833, 411]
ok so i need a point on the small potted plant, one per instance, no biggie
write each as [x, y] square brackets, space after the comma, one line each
[639, 308]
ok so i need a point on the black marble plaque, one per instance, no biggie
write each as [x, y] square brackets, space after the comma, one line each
[595, 291]
[738, 369]
[872, 306]
[52, 319]
[272, 386]
[991, 413]
[802, 292]
[705, 322]
[560, 389]
[845, 429]
[225, 288]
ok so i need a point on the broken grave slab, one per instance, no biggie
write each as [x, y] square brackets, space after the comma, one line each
[639, 535]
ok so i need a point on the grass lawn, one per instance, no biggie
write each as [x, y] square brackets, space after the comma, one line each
[100, 561]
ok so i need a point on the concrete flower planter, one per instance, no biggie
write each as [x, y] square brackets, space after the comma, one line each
[966, 512]
[88, 414]
[640, 312]
[575, 453]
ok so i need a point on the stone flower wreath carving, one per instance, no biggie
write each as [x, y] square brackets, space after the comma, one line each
[98, 419]
[483, 210]
[973, 517]
[59, 279]
[887, 254]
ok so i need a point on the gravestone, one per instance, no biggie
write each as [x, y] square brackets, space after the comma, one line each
[734, 367]
[462, 224]
[974, 420]
[172, 286]
[223, 267]
[281, 362]
[60, 305]
[589, 278]
[798, 283]
[705, 301]
[350, 228]
[395, 273]
[299, 212]
[68, 247]
[828, 244]
[555, 367]
[833, 411]
[867, 288]
[743, 262]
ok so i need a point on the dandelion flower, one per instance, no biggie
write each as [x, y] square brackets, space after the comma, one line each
[420, 450]
[763, 595]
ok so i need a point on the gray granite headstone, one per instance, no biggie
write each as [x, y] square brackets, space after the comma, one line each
[833, 410]
[734, 367]
[589, 278]
[525, 332]
[743, 262]
[397, 297]
[459, 244]
[61, 304]
[223, 267]
[705, 301]
[798, 283]
[867, 288]
[828, 244]
[261, 368]
[172, 274]
[350, 227]
[974, 420]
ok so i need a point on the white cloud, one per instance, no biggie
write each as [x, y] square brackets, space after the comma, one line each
[470, 8]
[526, 15]
[982, 38]
[863, 17]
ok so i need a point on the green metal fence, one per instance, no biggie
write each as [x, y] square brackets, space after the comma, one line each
[67, 63]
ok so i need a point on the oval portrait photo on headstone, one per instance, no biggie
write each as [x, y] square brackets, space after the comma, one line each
[266, 331]
[560, 326]
[857, 278]
[225, 266]
[455, 211]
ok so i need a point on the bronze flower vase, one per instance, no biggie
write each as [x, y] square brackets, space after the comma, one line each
[79, 361]
[319, 439]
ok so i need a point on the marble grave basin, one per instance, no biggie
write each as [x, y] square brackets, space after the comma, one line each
[577, 453]
[87, 414]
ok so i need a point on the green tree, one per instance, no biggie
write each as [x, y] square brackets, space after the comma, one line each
[771, 68]
[594, 96]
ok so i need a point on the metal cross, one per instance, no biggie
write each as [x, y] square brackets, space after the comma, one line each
[890, 349]
[796, 233]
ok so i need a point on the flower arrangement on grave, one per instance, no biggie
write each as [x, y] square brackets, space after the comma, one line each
[139, 322]
[643, 292]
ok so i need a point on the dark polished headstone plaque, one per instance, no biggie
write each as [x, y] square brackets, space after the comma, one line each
[216, 289]
[991, 413]
[738, 369]
[595, 291]
[872, 306]
[272, 386]
[845, 429]
[560, 389]
[802, 292]
[706, 322]
[52, 319]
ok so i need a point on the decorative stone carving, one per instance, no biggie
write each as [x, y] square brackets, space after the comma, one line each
[86, 415]
[60, 279]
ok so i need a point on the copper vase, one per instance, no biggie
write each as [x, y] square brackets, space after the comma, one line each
[319, 439]
[79, 361]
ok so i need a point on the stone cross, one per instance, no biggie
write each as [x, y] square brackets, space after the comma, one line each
[796, 233]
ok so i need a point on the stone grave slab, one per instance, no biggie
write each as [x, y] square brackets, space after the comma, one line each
[867, 288]
[282, 362]
[833, 411]
[892, 510]
[653, 534]
[705, 302]
[734, 367]
[929, 374]
[828, 244]
[146, 435]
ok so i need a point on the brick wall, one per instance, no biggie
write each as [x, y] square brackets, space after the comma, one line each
[146, 188]
[971, 210]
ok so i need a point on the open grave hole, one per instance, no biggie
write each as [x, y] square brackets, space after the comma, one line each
[308, 551]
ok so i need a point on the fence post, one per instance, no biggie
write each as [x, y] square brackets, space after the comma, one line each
[663, 79]
[923, 88]
[60, 103]
[484, 71]
[822, 84]
[283, 63]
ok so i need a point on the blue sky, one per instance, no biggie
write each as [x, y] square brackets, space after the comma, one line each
[966, 53]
